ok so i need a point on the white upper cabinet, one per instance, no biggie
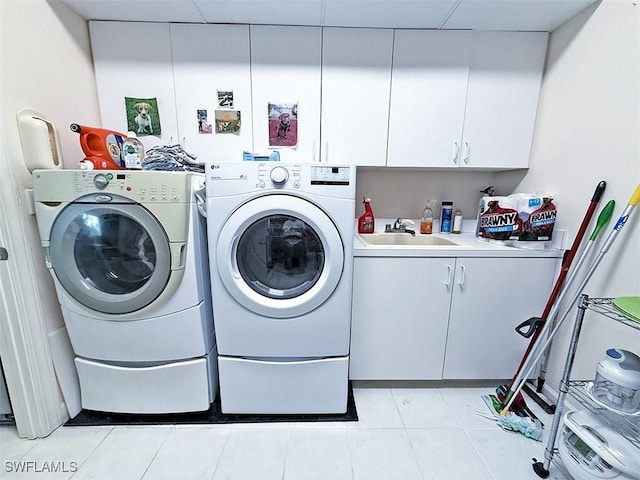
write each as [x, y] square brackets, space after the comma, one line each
[429, 84]
[464, 99]
[388, 13]
[285, 70]
[134, 60]
[208, 59]
[356, 80]
[502, 99]
[372, 97]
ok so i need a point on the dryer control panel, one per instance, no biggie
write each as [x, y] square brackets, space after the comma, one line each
[244, 177]
[334, 175]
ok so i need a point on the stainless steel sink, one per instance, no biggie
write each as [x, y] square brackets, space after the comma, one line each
[407, 240]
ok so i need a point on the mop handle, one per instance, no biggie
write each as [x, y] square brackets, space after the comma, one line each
[560, 286]
[540, 350]
[603, 219]
[550, 316]
[633, 201]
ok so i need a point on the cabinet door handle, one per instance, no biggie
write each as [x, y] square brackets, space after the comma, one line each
[313, 151]
[463, 270]
[456, 151]
[467, 152]
[449, 271]
[326, 151]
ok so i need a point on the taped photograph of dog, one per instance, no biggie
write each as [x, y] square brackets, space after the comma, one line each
[283, 124]
[143, 117]
[227, 121]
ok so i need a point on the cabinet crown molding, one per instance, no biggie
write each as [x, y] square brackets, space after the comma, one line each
[517, 15]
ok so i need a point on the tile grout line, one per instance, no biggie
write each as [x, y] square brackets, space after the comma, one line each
[353, 473]
[482, 459]
[286, 453]
[395, 403]
[171, 430]
[415, 456]
[95, 449]
[224, 444]
[406, 434]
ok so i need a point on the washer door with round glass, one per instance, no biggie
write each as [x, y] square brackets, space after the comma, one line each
[280, 256]
[111, 258]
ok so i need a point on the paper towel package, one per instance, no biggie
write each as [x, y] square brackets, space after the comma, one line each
[520, 217]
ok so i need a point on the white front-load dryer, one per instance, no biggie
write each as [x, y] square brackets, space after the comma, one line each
[127, 252]
[281, 257]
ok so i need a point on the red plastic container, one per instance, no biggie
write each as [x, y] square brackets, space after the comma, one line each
[102, 147]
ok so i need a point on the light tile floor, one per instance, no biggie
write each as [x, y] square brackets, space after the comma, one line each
[403, 433]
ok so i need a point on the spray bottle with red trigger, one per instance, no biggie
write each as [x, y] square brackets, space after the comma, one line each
[366, 222]
[482, 204]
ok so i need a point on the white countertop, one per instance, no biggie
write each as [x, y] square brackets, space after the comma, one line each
[469, 245]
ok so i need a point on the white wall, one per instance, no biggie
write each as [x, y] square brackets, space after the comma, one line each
[52, 73]
[46, 66]
[588, 130]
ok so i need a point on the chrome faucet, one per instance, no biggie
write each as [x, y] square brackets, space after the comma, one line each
[399, 226]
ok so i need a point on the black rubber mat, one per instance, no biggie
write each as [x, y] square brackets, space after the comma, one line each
[211, 416]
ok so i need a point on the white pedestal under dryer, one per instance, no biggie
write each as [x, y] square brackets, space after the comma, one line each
[127, 252]
[281, 258]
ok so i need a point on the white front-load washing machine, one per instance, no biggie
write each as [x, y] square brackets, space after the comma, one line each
[127, 252]
[281, 257]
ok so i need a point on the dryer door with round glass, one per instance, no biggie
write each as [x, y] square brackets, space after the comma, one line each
[280, 256]
[112, 258]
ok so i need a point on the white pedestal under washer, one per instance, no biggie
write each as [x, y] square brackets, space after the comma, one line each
[127, 252]
[281, 257]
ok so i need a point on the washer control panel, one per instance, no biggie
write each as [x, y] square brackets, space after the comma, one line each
[140, 186]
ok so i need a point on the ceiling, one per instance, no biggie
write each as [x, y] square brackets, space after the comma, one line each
[523, 15]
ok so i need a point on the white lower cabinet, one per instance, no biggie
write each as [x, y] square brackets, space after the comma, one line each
[421, 318]
[399, 322]
[491, 296]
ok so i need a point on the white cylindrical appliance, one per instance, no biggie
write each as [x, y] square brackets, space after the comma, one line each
[617, 381]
